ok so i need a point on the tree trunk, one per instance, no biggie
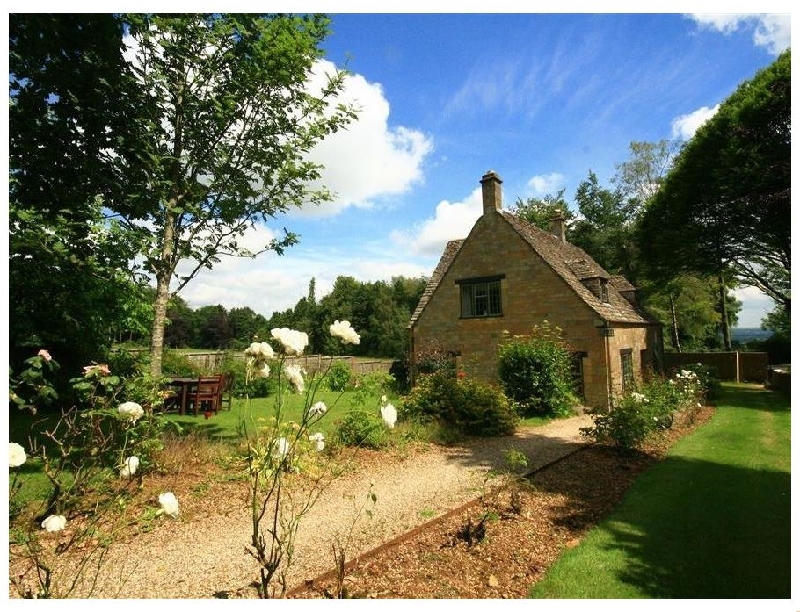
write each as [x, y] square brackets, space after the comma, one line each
[676, 341]
[723, 308]
[163, 277]
[159, 320]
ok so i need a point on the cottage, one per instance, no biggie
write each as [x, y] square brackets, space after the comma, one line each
[507, 276]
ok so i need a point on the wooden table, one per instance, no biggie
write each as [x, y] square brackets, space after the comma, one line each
[184, 388]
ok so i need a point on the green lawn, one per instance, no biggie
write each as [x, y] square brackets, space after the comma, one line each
[226, 423]
[712, 520]
[225, 426]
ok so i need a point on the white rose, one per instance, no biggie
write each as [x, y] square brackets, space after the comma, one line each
[169, 504]
[54, 522]
[16, 455]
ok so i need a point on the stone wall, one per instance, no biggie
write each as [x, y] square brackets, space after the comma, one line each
[531, 292]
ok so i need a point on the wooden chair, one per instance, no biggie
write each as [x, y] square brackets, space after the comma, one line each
[206, 395]
[226, 391]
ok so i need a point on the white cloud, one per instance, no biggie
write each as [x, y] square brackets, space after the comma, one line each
[451, 222]
[755, 305]
[771, 31]
[273, 283]
[546, 184]
[685, 126]
[370, 158]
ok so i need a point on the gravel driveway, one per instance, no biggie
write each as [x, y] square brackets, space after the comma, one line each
[205, 555]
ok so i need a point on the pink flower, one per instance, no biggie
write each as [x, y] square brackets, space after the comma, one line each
[44, 354]
[96, 369]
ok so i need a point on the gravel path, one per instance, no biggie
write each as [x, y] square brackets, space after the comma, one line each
[205, 555]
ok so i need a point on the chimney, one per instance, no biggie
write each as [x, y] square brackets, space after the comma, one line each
[492, 193]
[557, 225]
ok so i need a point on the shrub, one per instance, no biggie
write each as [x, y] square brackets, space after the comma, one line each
[483, 410]
[174, 363]
[371, 386]
[236, 369]
[400, 371]
[627, 425]
[471, 407]
[434, 359]
[707, 379]
[124, 363]
[339, 375]
[363, 429]
[536, 372]
[636, 416]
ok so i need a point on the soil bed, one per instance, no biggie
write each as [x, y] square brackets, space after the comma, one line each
[502, 544]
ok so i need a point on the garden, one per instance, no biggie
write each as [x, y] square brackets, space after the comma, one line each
[115, 472]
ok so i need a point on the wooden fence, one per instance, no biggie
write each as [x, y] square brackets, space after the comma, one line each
[310, 363]
[736, 366]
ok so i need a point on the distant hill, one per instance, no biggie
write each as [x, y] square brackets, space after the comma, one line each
[749, 334]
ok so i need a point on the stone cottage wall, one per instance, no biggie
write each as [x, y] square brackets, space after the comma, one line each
[531, 292]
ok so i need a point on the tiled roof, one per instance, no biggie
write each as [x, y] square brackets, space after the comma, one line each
[583, 269]
[573, 264]
[450, 251]
[568, 261]
[620, 283]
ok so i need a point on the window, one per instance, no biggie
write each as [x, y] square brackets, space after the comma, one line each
[480, 297]
[627, 370]
[604, 290]
[577, 374]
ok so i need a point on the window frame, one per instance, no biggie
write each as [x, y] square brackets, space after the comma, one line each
[493, 299]
[628, 378]
[577, 374]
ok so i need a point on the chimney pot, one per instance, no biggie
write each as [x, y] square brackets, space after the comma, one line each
[557, 226]
[492, 192]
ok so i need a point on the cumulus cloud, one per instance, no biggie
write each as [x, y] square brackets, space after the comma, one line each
[273, 283]
[369, 159]
[755, 306]
[450, 222]
[771, 31]
[546, 184]
[685, 126]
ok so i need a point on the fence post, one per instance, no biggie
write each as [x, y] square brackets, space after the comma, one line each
[738, 375]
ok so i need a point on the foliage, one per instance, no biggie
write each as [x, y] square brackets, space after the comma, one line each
[688, 308]
[362, 428]
[380, 310]
[541, 211]
[707, 380]
[687, 304]
[434, 359]
[371, 386]
[236, 369]
[33, 389]
[90, 456]
[178, 364]
[70, 101]
[638, 415]
[188, 129]
[535, 372]
[339, 376]
[469, 407]
[125, 363]
[604, 231]
[726, 202]
[284, 472]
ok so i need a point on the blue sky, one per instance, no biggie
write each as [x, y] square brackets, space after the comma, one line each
[542, 99]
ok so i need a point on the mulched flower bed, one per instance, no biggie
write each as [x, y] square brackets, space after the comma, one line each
[499, 546]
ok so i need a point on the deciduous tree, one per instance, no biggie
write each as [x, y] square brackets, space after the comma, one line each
[727, 201]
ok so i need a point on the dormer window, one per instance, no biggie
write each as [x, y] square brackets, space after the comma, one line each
[598, 286]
